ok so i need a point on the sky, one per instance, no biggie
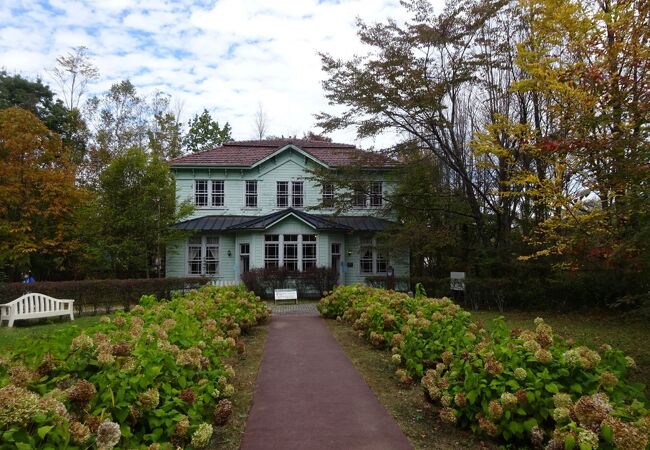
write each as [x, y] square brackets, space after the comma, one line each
[227, 56]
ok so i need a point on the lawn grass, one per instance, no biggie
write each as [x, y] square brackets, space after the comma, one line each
[246, 367]
[10, 337]
[417, 418]
[591, 329]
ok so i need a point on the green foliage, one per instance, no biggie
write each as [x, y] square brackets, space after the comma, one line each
[205, 133]
[158, 372]
[137, 205]
[519, 385]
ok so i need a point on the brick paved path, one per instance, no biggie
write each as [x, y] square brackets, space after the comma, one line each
[291, 309]
[309, 396]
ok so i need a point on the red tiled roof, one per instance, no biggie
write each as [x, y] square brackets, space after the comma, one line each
[247, 153]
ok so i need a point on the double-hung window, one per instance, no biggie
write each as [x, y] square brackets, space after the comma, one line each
[371, 260]
[218, 194]
[271, 250]
[201, 192]
[359, 198]
[209, 193]
[328, 195]
[203, 255]
[251, 194]
[282, 194]
[292, 251]
[376, 194]
[297, 194]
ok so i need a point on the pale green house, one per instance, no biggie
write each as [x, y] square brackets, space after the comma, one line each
[252, 209]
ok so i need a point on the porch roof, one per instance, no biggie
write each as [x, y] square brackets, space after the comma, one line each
[317, 221]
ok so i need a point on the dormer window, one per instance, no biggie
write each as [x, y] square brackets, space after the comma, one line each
[209, 193]
[251, 194]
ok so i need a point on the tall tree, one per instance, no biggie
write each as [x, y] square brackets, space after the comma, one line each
[204, 132]
[72, 73]
[165, 131]
[119, 121]
[137, 205]
[38, 98]
[260, 122]
[37, 193]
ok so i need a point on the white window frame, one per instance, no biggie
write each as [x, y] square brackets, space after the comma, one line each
[210, 194]
[378, 258]
[204, 246]
[327, 192]
[284, 195]
[248, 194]
[376, 196]
[359, 194]
[295, 195]
[204, 194]
[300, 242]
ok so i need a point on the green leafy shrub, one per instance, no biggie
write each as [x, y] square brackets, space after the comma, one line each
[156, 376]
[516, 385]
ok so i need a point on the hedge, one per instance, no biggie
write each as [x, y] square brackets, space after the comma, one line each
[102, 295]
[310, 283]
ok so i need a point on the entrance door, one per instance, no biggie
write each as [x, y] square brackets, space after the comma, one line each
[336, 258]
[244, 258]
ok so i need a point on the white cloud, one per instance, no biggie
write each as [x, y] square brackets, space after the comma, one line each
[226, 56]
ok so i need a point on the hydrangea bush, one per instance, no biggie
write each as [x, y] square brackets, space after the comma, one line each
[153, 378]
[528, 387]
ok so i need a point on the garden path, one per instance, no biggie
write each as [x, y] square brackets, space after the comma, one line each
[310, 396]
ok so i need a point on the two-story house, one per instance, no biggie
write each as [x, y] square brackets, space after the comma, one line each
[254, 205]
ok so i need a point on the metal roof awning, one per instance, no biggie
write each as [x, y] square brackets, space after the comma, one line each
[318, 222]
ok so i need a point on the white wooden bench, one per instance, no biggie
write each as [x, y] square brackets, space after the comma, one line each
[34, 306]
[286, 294]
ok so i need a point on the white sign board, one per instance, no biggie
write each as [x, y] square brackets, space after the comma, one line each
[457, 281]
[286, 294]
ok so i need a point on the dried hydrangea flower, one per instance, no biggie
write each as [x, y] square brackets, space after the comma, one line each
[81, 392]
[187, 395]
[182, 427]
[222, 412]
[608, 379]
[448, 415]
[495, 410]
[108, 435]
[543, 356]
[396, 359]
[21, 375]
[508, 400]
[229, 371]
[587, 438]
[201, 437]
[487, 426]
[79, 433]
[520, 373]
[561, 415]
[630, 362]
[460, 399]
[105, 358]
[82, 342]
[562, 400]
[149, 399]
[592, 409]
[17, 406]
[228, 390]
[537, 436]
[531, 346]
[627, 436]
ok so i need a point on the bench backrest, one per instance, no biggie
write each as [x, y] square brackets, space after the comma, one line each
[37, 303]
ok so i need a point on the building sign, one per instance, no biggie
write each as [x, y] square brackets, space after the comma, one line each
[457, 281]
